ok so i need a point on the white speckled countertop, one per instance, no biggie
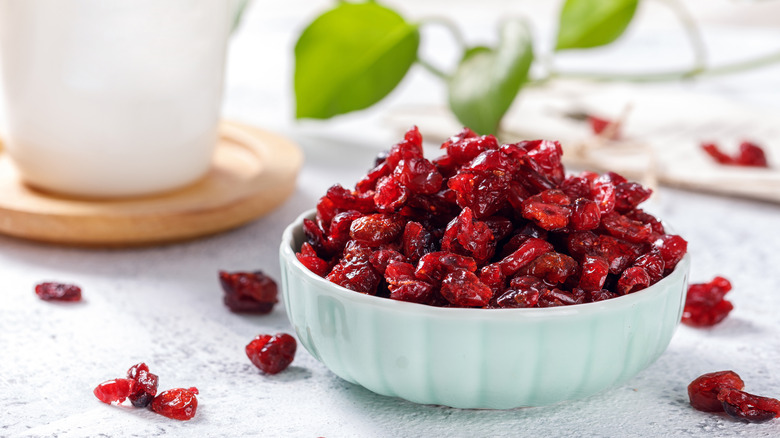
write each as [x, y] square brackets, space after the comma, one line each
[162, 305]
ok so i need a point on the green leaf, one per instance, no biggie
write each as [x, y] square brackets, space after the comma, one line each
[592, 23]
[350, 57]
[487, 80]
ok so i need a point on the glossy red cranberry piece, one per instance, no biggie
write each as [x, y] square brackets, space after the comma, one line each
[272, 354]
[418, 175]
[145, 385]
[309, 258]
[714, 151]
[376, 229]
[248, 292]
[404, 286]
[672, 249]
[524, 291]
[51, 291]
[463, 289]
[705, 305]
[632, 280]
[751, 154]
[549, 209]
[178, 404]
[433, 267]
[114, 391]
[416, 241]
[552, 267]
[604, 126]
[594, 272]
[390, 195]
[525, 254]
[747, 407]
[703, 391]
[469, 237]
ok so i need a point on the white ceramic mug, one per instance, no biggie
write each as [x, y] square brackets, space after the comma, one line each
[112, 98]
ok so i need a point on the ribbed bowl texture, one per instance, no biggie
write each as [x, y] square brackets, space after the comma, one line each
[478, 358]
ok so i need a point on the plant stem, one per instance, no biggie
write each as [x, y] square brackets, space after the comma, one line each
[456, 35]
[432, 69]
[450, 26]
[673, 75]
[692, 32]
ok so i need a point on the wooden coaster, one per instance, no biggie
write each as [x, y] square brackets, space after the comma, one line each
[253, 172]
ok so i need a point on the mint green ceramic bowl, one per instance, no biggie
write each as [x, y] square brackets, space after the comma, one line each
[478, 358]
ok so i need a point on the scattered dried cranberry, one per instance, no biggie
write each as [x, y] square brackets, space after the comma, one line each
[599, 125]
[748, 407]
[178, 404]
[703, 391]
[722, 392]
[252, 292]
[750, 154]
[114, 391]
[145, 385]
[58, 292]
[487, 225]
[140, 387]
[272, 354]
[705, 305]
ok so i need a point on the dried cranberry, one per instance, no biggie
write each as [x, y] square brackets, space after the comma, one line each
[419, 176]
[549, 209]
[145, 387]
[416, 241]
[345, 199]
[630, 194]
[600, 125]
[308, 257]
[552, 267]
[272, 354]
[705, 305]
[555, 297]
[433, 267]
[369, 182]
[418, 230]
[585, 215]
[382, 258]
[714, 151]
[404, 286]
[594, 272]
[750, 154]
[462, 288]
[626, 229]
[114, 391]
[525, 254]
[672, 249]
[524, 291]
[390, 195]
[748, 407]
[178, 404]
[355, 274]
[58, 292]
[632, 280]
[703, 391]
[483, 193]
[248, 292]
[469, 237]
[376, 229]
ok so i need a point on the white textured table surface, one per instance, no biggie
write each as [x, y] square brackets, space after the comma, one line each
[163, 305]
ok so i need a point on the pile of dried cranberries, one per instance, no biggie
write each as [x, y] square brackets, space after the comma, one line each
[487, 225]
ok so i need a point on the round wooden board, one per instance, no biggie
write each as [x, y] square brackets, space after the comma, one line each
[253, 172]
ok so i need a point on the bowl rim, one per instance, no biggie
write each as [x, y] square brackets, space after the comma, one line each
[610, 305]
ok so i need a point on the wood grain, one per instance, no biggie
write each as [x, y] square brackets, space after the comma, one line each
[253, 172]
